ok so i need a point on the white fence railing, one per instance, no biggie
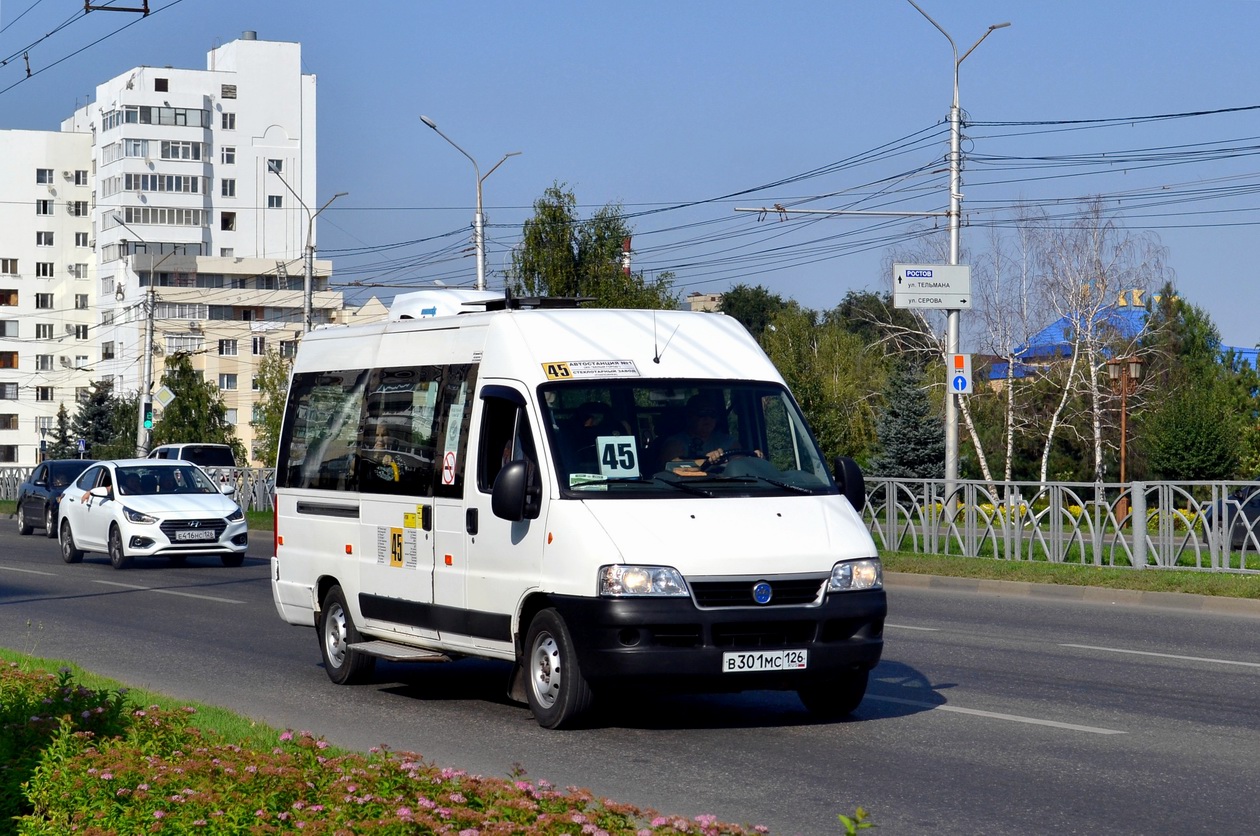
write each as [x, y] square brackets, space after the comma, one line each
[1170, 525]
[254, 485]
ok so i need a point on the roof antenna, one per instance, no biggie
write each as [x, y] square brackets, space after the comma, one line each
[657, 352]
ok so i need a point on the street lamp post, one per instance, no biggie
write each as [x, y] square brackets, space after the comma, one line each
[1124, 373]
[308, 269]
[955, 218]
[479, 233]
[145, 389]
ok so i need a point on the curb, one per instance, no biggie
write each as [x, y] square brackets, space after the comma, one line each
[1096, 594]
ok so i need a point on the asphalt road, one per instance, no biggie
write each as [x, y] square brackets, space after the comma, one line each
[991, 714]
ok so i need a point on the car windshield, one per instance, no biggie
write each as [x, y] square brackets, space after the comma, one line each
[641, 438]
[149, 480]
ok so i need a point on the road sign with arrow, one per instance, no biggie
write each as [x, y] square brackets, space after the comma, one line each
[935, 286]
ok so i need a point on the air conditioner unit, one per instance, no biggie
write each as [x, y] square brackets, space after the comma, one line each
[65, 361]
[69, 329]
[69, 175]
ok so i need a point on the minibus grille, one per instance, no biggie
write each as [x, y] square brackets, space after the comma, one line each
[764, 634]
[793, 592]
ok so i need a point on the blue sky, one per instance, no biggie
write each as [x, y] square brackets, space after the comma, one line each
[683, 111]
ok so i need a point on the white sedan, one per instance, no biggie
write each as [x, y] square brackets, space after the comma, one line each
[150, 508]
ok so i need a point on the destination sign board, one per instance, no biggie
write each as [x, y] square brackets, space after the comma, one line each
[937, 286]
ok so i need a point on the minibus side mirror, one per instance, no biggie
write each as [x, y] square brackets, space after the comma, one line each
[515, 495]
[849, 480]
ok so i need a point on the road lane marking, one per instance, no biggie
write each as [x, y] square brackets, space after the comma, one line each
[28, 571]
[908, 627]
[1163, 655]
[993, 715]
[171, 592]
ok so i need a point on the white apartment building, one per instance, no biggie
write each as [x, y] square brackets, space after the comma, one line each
[47, 269]
[203, 188]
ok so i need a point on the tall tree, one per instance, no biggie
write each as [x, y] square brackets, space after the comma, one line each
[61, 445]
[123, 417]
[197, 412]
[94, 419]
[563, 255]
[754, 307]
[911, 436]
[273, 388]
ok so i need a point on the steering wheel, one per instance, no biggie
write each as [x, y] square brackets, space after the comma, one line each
[726, 456]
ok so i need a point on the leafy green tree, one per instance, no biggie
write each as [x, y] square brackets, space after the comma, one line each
[754, 307]
[562, 255]
[911, 434]
[1192, 435]
[123, 419]
[273, 388]
[197, 413]
[61, 445]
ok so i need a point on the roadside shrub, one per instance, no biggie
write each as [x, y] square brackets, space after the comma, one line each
[36, 706]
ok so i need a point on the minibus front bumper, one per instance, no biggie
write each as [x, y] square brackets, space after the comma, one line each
[672, 641]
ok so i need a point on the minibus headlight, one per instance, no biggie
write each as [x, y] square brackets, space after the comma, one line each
[135, 516]
[622, 581]
[850, 575]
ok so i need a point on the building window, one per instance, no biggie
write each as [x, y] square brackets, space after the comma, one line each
[43, 269]
[43, 207]
[8, 298]
[8, 422]
[8, 328]
[79, 271]
[161, 85]
[172, 150]
[107, 317]
[81, 333]
[227, 348]
[43, 362]
[229, 121]
[226, 252]
[227, 221]
[227, 382]
[44, 301]
[274, 201]
[8, 359]
[80, 177]
[9, 391]
[42, 393]
[228, 187]
[44, 176]
[43, 331]
[80, 301]
[9, 453]
[79, 208]
[81, 239]
[80, 361]
[228, 91]
[81, 394]
[288, 348]
[229, 415]
[107, 350]
[260, 346]
[227, 155]
[275, 166]
[9, 266]
[187, 343]
[43, 239]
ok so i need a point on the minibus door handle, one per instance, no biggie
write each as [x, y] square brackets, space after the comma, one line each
[470, 520]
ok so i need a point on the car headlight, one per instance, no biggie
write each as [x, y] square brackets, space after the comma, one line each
[622, 581]
[850, 575]
[237, 515]
[135, 516]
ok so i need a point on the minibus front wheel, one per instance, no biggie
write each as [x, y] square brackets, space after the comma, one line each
[336, 633]
[557, 692]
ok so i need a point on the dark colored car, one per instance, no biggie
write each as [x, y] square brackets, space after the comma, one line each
[1241, 518]
[40, 495]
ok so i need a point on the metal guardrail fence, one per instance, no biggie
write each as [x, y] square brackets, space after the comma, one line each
[1212, 526]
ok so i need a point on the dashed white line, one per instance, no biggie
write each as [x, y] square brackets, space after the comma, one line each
[908, 627]
[28, 571]
[994, 715]
[1164, 655]
[172, 592]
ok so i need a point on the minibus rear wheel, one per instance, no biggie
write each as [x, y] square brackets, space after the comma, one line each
[557, 692]
[336, 633]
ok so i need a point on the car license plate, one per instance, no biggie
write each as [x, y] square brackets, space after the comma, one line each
[765, 660]
[194, 534]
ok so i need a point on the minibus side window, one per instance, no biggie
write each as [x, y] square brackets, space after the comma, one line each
[398, 446]
[505, 437]
[454, 404]
[321, 431]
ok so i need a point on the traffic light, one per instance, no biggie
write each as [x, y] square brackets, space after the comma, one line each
[148, 415]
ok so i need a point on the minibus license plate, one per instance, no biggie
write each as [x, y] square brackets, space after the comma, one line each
[195, 534]
[765, 660]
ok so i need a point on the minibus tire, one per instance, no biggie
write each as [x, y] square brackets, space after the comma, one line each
[557, 692]
[336, 630]
[835, 698]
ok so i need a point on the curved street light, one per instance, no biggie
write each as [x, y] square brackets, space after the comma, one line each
[479, 235]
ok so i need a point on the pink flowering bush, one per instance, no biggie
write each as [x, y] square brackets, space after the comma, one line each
[154, 772]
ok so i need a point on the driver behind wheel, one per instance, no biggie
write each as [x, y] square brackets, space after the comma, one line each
[701, 438]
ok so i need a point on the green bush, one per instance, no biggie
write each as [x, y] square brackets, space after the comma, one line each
[36, 707]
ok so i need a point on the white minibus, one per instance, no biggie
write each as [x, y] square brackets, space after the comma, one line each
[606, 499]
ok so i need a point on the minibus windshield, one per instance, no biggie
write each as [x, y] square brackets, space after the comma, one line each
[640, 438]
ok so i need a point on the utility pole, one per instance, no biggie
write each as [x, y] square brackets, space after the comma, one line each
[144, 402]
